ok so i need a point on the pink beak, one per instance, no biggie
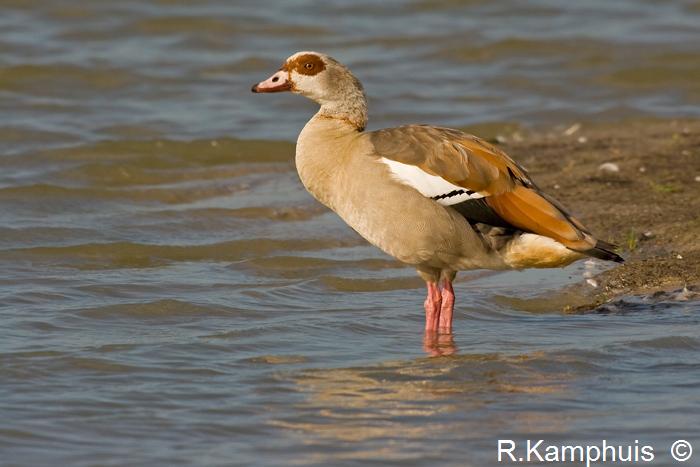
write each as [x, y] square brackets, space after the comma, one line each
[276, 83]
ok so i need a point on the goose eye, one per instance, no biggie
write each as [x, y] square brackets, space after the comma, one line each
[308, 66]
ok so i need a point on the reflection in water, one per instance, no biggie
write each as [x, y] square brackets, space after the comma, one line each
[403, 410]
[438, 344]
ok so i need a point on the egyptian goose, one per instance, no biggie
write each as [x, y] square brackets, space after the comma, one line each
[434, 198]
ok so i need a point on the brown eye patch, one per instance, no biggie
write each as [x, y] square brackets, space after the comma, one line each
[307, 64]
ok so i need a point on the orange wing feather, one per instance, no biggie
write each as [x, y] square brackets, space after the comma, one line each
[476, 165]
[525, 209]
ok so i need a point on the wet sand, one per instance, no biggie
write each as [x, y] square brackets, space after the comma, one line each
[649, 208]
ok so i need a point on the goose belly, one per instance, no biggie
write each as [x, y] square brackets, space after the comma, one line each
[403, 223]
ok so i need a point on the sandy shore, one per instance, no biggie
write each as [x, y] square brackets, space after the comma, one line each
[650, 207]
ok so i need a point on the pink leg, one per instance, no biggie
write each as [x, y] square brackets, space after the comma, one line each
[432, 307]
[447, 307]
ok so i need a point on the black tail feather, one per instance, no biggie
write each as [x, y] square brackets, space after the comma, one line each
[604, 250]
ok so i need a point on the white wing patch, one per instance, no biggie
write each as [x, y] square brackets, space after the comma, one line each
[428, 185]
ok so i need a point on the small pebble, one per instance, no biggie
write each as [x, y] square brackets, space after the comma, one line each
[214, 143]
[589, 266]
[685, 152]
[648, 234]
[582, 139]
[592, 282]
[679, 257]
[697, 178]
[642, 169]
[501, 139]
[609, 168]
[556, 186]
[572, 129]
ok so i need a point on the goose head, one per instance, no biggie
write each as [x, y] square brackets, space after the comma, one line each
[324, 80]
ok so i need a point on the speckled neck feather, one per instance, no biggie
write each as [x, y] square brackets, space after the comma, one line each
[349, 104]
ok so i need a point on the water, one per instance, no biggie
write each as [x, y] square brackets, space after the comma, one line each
[170, 295]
